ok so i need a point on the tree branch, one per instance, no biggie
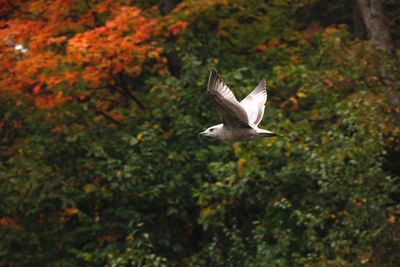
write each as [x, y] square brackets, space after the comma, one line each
[105, 115]
[126, 91]
[376, 23]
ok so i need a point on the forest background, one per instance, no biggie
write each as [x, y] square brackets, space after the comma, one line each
[101, 102]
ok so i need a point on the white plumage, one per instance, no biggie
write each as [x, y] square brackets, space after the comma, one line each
[254, 103]
[239, 120]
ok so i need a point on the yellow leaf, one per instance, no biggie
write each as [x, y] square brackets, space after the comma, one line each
[241, 162]
[237, 149]
[88, 188]
[301, 94]
[130, 238]
[340, 157]
[87, 256]
[71, 211]
[324, 140]
[205, 211]
[294, 101]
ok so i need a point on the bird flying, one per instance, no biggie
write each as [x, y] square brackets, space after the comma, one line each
[239, 120]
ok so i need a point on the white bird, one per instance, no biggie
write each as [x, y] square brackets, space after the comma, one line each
[239, 120]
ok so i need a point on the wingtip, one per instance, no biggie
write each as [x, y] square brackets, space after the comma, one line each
[214, 76]
[214, 70]
[214, 73]
[261, 88]
[212, 79]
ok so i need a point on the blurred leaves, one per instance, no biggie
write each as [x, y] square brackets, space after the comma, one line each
[114, 175]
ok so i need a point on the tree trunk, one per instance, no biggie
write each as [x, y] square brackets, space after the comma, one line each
[174, 62]
[359, 30]
[376, 23]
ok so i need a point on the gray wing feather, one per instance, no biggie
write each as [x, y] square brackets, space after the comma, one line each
[254, 103]
[224, 101]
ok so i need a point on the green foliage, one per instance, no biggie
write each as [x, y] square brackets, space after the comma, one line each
[79, 189]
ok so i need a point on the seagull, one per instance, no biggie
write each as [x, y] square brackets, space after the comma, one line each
[239, 120]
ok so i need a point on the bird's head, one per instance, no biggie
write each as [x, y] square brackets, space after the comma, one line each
[212, 132]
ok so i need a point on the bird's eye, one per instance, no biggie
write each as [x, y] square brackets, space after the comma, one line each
[211, 130]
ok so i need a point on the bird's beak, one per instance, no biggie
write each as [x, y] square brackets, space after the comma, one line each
[203, 135]
[200, 135]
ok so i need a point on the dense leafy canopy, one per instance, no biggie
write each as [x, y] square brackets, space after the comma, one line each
[100, 105]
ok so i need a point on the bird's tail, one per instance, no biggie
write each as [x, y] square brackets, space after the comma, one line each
[266, 133]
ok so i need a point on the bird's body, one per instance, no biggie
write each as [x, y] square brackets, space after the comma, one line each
[239, 134]
[240, 120]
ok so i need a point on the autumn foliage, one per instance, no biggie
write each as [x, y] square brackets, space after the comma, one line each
[100, 105]
[51, 45]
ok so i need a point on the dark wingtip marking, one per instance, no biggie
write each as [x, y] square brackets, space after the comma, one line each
[214, 78]
[214, 73]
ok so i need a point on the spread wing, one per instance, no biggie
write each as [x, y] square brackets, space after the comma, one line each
[225, 103]
[254, 103]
